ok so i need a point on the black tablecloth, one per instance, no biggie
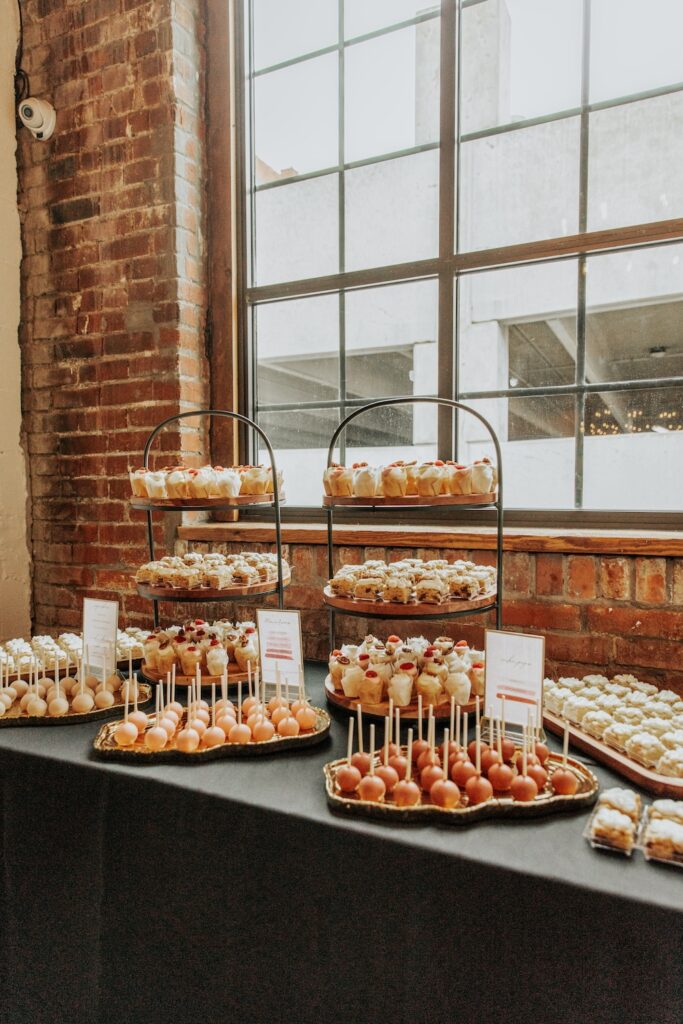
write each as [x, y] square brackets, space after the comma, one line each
[228, 891]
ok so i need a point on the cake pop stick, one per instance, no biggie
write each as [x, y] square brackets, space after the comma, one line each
[391, 718]
[419, 717]
[372, 786]
[173, 680]
[348, 776]
[125, 733]
[249, 678]
[477, 763]
[372, 749]
[565, 745]
[387, 736]
[457, 727]
[524, 728]
[444, 764]
[451, 728]
[359, 712]
[464, 731]
[410, 754]
[239, 702]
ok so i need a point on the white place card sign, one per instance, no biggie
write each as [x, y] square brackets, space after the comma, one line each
[100, 625]
[280, 646]
[515, 665]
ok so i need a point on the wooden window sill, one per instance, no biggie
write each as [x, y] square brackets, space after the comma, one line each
[607, 542]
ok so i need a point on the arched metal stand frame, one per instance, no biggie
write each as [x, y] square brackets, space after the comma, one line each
[224, 505]
[369, 612]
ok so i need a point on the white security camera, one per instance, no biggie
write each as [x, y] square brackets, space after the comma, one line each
[38, 116]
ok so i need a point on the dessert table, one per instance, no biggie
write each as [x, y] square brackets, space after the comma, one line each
[228, 891]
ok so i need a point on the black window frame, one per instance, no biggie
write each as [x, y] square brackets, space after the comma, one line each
[448, 267]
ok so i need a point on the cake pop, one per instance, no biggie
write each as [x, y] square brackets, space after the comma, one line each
[472, 748]
[125, 733]
[84, 701]
[478, 788]
[443, 792]
[523, 787]
[104, 698]
[371, 787]
[500, 775]
[462, 771]
[563, 780]
[90, 680]
[188, 738]
[20, 686]
[240, 733]
[156, 738]
[348, 776]
[399, 762]
[508, 746]
[431, 772]
[420, 745]
[360, 759]
[406, 793]
[387, 774]
[535, 769]
[214, 736]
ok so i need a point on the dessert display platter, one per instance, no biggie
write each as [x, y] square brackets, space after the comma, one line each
[413, 710]
[201, 651]
[410, 588]
[628, 725]
[455, 783]
[201, 731]
[411, 609]
[646, 777]
[180, 488]
[406, 500]
[413, 677]
[46, 699]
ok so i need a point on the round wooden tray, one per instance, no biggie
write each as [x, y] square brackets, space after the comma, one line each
[208, 593]
[647, 778]
[409, 712]
[501, 806]
[411, 610]
[200, 504]
[411, 500]
[16, 717]
[234, 676]
[104, 746]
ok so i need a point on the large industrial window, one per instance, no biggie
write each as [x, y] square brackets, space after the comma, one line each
[480, 200]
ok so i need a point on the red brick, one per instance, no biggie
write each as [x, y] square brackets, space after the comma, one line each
[615, 578]
[541, 616]
[628, 621]
[516, 572]
[649, 653]
[549, 574]
[584, 649]
[651, 580]
[581, 580]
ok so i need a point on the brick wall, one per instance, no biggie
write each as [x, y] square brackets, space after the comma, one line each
[113, 279]
[614, 614]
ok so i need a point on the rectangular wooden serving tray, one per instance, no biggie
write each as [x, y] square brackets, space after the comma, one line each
[646, 778]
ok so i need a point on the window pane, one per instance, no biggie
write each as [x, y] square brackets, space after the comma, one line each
[297, 230]
[634, 314]
[394, 432]
[283, 31]
[296, 119]
[634, 163]
[300, 440]
[391, 92]
[634, 46]
[391, 341]
[520, 186]
[538, 449]
[392, 211]
[297, 350]
[633, 441]
[518, 327]
[361, 16]
[520, 59]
